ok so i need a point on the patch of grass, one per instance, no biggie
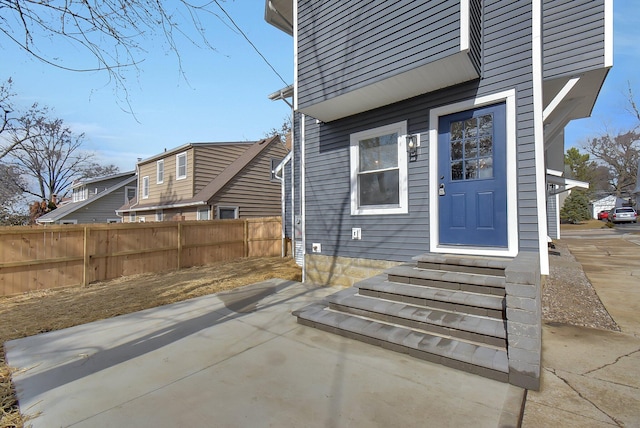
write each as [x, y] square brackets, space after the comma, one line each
[585, 225]
[54, 309]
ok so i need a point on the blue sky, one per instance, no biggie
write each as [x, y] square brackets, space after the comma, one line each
[224, 96]
[610, 113]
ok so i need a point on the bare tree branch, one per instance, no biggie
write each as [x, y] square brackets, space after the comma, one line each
[51, 156]
[112, 32]
[620, 154]
[633, 107]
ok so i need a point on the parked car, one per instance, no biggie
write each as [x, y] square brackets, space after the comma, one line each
[624, 214]
[603, 215]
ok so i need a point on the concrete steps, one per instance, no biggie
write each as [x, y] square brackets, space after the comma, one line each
[445, 309]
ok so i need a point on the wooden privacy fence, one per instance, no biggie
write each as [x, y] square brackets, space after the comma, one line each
[39, 257]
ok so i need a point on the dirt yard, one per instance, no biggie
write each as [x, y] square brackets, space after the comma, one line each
[39, 312]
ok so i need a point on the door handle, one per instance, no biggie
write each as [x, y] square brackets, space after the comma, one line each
[441, 190]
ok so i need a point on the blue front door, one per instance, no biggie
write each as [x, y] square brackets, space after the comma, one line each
[472, 185]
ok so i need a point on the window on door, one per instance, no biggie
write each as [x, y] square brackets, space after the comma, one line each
[379, 171]
[471, 148]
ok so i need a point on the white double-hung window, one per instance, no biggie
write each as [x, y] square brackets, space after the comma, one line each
[181, 166]
[160, 171]
[145, 187]
[379, 171]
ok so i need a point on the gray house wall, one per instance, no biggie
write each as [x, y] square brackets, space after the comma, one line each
[98, 210]
[506, 65]
[573, 37]
[343, 46]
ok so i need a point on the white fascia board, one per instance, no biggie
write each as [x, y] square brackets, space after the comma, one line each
[608, 33]
[538, 134]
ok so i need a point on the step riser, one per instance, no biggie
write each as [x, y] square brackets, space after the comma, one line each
[444, 309]
[480, 289]
[416, 353]
[436, 304]
[437, 329]
[461, 268]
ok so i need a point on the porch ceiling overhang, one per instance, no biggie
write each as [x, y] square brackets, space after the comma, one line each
[279, 13]
[563, 184]
[566, 99]
[451, 70]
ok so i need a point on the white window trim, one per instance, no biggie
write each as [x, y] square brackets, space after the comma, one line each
[141, 220]
[509, 97]
[202, 210]
[145, 187]
[178, 156]
[126, 193]
[160, 171]
[235, 209]
[403, 207]
[132, 217]
[159, 215]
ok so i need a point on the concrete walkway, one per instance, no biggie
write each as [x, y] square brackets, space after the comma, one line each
[239, 359]
[590, 377]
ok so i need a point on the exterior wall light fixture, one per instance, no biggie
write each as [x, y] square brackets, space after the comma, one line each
[412, 147]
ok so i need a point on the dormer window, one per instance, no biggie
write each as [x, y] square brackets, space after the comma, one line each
[181, 166]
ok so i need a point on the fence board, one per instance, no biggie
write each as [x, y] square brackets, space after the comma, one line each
[35, 258]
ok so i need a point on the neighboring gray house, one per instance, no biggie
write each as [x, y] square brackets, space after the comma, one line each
[423, 132]
[94, 200]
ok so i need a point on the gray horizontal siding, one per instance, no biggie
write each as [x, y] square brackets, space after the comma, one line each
[99, 210]
[506, 64]
[343, 46]
[573, 34]
[252, 190]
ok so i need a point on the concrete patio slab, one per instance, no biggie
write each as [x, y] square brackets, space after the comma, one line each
[239, 359]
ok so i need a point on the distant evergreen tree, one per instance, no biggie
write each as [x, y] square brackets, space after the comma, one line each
[576, 207]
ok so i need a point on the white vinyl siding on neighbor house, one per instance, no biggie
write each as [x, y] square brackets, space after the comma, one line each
[181, 166]
[379, 171]
[160, 171]
[145, 187]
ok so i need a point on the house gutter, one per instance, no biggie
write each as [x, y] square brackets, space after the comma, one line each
[162, 207]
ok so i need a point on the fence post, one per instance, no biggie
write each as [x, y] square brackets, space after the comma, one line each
[85, 255]
[246, 238]
[179, 245]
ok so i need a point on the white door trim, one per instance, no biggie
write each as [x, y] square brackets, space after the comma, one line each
[509, 97]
